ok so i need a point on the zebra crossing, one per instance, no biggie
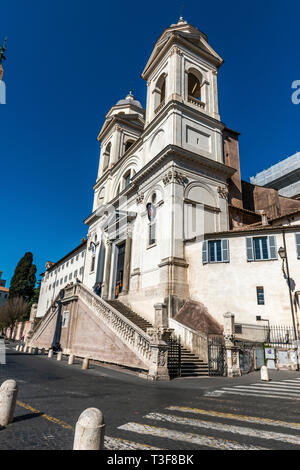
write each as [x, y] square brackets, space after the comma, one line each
[177, 426]
[285, 389]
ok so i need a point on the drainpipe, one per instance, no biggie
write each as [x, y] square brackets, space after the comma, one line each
[289, 285]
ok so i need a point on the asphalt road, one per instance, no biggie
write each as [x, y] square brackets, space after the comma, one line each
[184, 414]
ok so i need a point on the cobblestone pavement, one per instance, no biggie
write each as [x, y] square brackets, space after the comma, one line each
[200, 413]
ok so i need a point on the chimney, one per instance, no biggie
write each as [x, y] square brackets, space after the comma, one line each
[264, 218]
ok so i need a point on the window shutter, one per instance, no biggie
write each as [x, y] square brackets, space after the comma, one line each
[297, 237]
[272, 247]
[205, 252]
[225, 251]
[249, 248]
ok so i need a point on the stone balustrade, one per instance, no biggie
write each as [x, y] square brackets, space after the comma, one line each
[198, 103]
[135, 338]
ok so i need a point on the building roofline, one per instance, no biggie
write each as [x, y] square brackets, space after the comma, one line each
[65, 257]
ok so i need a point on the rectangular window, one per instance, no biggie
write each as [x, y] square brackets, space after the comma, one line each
[297, 237]
[65, 320]
[81, 270]
[152, 234]
[61, 281]
[70, 276]
[82, 254]
[260, 296]
[66, 278]
[215, 251]
[72, 260]
[93, 264]
[261, 248]
[75, 273]
[77, 257]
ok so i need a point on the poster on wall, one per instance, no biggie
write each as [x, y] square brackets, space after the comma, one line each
[270, 353]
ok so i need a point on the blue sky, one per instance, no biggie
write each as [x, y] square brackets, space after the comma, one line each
[69, 61]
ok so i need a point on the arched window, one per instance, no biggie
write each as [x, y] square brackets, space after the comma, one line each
[106, 157]
[160, 93]
[194, 86]
[101, 196]
[128, 144]
[127, 178]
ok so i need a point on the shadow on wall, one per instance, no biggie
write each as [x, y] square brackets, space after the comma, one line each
[195, 315]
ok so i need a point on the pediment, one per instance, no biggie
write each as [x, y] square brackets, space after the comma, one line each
[184, 34]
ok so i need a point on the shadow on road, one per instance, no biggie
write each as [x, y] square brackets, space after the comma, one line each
[27, 416]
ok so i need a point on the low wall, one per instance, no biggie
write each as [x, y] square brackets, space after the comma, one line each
[20, 330]
[190, 339]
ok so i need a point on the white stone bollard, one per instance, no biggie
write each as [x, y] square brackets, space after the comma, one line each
[85, 363]
[50, 353]
[71, 360]
[59, 356]
[89, 431]
[30, 350]
[8, 399]
[264, 373]
[25, 349]
[17, 347]
[21, 348]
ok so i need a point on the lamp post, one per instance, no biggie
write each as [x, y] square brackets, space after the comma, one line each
[283, 255]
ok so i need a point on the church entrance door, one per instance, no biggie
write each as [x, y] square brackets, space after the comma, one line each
[120, 269]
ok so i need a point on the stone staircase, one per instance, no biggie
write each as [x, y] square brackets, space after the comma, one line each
[128, 313]
[191, 365]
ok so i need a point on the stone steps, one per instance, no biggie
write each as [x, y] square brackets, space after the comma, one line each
[191, 365]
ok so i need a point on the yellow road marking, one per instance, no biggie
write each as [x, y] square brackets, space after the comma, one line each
[219, 414]
[43, 415]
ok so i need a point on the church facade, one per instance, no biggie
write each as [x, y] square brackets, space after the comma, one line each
[175, 239]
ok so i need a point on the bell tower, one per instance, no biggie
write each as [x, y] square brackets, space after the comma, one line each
[182, 66]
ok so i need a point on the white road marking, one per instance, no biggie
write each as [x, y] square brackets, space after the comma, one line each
[263, 390]
[258, 433]
[197, 439]
[247, 419]
[115, 443]
[278, 384]
[252, 393]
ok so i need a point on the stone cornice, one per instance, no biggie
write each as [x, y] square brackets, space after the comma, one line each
[117, 119]
[182, 107]
[176, 38]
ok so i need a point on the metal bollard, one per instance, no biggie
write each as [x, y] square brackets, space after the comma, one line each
[50, 353]
[264, 373]
[71, 360]
[8, 399]
[59, 356]
[89, 431]
[85, 363]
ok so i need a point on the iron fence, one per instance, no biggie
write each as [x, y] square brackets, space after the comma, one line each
[174, 357]
[216, 356]
[281, 336]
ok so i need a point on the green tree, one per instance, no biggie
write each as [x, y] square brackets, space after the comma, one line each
[11, 312]
[23, 280]
[34, 299]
